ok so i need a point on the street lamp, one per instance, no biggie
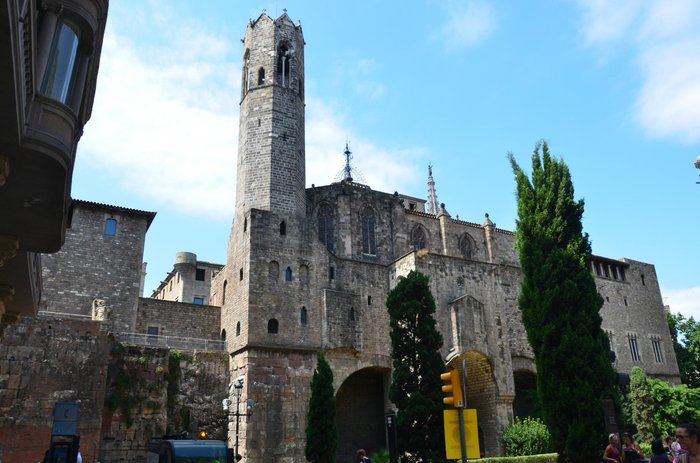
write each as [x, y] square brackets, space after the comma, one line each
[226, 403]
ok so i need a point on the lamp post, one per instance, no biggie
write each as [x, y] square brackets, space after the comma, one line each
[238, 387]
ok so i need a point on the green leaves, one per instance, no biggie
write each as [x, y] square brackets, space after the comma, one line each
[559, 305]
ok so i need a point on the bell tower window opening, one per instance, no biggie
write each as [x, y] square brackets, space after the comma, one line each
[284, 65]
[60, 71]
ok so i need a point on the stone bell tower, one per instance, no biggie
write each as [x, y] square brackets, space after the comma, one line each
[271, 171]
[259, 288]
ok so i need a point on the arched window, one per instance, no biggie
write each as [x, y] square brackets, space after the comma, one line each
[261, 76]
[283, 228]
[244, 74]
[223, 335]
[273, 326]
[303, 316]
[238, 328]
[110, 227]
[466, 246]
[223, 293]
[325, 226]
[288, 274]
[369, 244]
[284, 65]
[418, 239]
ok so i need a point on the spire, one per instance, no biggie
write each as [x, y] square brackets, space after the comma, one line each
[347, 170]
[432, 194]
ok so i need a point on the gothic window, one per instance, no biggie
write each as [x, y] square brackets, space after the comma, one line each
[634, 349]
[303, 316]
[418, 239]
[283, 228]
[288, 274]
[244, 74]
[110, 227]
[273, 326]
[369, 244]
[273, 270]
[284, 65]
[466, 246]
[261, 76]
[325, 226]
[656, 347]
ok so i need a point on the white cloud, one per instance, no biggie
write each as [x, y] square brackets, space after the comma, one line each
[468, 23]
[604, 20]
[665, 40]
[684, 300]
[165, 123]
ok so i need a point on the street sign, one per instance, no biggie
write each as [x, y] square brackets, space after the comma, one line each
[452, 438]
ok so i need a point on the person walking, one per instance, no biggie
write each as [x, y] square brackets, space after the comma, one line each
[613, 452]
[687, 436]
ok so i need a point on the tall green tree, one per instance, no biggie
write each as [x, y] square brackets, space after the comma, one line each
[686, 344]
[321, 439]
[560, 304]
[416, 388]
[643, 406]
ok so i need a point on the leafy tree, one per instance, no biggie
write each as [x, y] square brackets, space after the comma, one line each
[673, 405]
[560, 304]
[321, 440]
[529, 436]
[416, 385]
[642, 403]
[686, 344]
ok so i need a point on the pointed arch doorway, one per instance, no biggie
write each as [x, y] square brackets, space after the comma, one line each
[360, 404]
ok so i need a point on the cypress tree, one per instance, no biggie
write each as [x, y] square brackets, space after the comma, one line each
[560, 308]
[416, 385]
[321, 439]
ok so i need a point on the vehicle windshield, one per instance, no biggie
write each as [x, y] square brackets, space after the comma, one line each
[200, 454]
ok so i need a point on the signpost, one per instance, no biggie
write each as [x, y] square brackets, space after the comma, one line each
[461, 435]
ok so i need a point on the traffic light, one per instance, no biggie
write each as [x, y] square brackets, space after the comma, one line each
[453, 389]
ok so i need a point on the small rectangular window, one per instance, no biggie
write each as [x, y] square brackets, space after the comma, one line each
[199, 300]
[199, 274]
[110, 227]
[331, 273]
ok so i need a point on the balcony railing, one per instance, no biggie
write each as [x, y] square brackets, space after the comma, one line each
[171, 342]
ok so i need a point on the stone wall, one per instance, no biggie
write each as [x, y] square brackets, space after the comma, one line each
[127, 394]
[94, 265]
[178, 319]
[44, 361]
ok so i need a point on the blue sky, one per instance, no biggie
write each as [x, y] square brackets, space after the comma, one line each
[614, 87]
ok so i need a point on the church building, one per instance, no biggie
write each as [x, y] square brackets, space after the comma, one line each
[309, 270]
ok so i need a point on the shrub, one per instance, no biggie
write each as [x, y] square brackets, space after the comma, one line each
[526, 437]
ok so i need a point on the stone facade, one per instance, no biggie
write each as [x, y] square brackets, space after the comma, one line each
[169, 318]
[189, 281]
[311, 272]
[101, 259]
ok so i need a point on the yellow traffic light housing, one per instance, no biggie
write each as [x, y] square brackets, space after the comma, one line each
[453, 389]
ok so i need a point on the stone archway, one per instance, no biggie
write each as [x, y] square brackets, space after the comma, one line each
[482, 395]
[360, 404]
[525, 393]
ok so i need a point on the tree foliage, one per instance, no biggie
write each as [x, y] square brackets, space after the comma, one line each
[560, 304]
[321, 440]
[642, 404]
[529, 436]
[416, 385]
[686, 344]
